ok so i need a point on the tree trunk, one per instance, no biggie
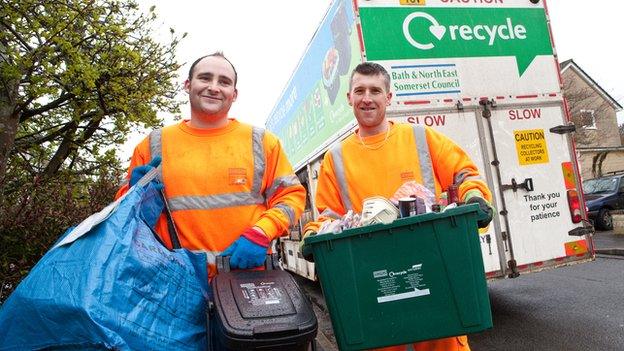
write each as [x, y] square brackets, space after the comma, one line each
[71, 142]
[9, 120]
[62, 152]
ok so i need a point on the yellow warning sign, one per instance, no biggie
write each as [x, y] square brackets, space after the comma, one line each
[531, 146]
[412, 2]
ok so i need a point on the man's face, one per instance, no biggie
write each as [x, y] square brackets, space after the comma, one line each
[369, 98]
[211, 89]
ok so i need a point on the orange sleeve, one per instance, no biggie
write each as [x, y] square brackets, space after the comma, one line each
[328, 200]
[327, 192]
[452, 165]
[285, 196]
[140, 156]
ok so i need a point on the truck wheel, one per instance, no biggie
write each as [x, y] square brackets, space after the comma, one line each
[604, 220]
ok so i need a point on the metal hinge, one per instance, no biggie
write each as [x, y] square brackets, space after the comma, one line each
[581, 231]
[564, 129]
[513, 268]
[487, 106]
[527, 185]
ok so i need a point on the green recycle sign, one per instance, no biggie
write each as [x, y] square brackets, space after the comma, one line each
[394, 33]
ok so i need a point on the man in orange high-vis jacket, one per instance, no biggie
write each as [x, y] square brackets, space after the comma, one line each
[229, 186]
[380, 156]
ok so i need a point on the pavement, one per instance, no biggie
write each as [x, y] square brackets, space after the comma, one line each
[605, 243]
[609, 242]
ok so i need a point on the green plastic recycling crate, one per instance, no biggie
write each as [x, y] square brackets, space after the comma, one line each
[415, 279]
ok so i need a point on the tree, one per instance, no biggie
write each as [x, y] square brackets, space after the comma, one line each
[75, 77]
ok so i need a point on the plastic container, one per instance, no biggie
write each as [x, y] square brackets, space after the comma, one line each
[415, 279]
[259, 310]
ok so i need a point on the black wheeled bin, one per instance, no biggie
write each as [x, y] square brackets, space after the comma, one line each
[259, 310]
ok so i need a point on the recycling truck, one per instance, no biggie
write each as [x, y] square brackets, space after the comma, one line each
[483, 72]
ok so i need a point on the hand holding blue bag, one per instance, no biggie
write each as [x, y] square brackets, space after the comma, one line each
[110, 284]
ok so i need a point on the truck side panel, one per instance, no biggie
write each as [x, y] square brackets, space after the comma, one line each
[463, 127]
[313, 107]
[484, 73]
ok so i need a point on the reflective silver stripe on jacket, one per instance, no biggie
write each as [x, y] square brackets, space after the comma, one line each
[463, 176]
[329, 213]
[283, 182]
[194, 202]
[460, 176]
[155, 141]
[336, 152]
[288, 211]
[259, 161]
[424, 157]
[211, 256]
[220, 200]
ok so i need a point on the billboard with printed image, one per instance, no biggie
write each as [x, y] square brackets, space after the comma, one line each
[313, 106]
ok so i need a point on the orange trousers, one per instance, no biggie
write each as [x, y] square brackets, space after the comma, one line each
[459, 343]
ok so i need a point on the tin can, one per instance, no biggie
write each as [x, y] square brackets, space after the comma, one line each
[453, 194]
[420, 205]
[436, 208]
[407, 207]
[411, 206]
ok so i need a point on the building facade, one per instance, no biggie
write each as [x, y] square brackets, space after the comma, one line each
[593, 111]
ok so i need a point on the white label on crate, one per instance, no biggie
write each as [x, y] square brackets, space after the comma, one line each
[380, 274]
[261, 294]
[402, 296]
[396, 285]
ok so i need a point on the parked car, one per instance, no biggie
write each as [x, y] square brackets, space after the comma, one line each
[602, 196]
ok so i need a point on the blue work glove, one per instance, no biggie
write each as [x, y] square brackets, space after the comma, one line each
[140, 171]
[486, 212]
[249, 250]
[152, 207]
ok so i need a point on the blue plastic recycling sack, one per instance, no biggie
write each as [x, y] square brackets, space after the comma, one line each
[109, 284]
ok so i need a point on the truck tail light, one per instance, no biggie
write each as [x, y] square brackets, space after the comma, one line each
[575, 206]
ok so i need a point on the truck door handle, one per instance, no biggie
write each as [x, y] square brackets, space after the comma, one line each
[564, 128]
[527, 185]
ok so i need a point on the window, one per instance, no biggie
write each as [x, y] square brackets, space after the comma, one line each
[621, 188]
[588, 121]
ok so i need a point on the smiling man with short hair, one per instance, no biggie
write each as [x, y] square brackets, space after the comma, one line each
[229, 185]
[381, 156]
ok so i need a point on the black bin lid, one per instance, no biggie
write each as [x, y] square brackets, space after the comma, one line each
[261, 305]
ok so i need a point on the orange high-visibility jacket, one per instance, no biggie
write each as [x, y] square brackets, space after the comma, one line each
[356, 169]
[378, 165]
[218, 182]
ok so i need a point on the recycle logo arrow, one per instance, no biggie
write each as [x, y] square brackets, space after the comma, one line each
[436, 29]
[395, 33]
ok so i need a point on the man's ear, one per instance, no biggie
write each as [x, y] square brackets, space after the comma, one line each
[187, 86]
[388, 98]
[349, 98]
[235, 95]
